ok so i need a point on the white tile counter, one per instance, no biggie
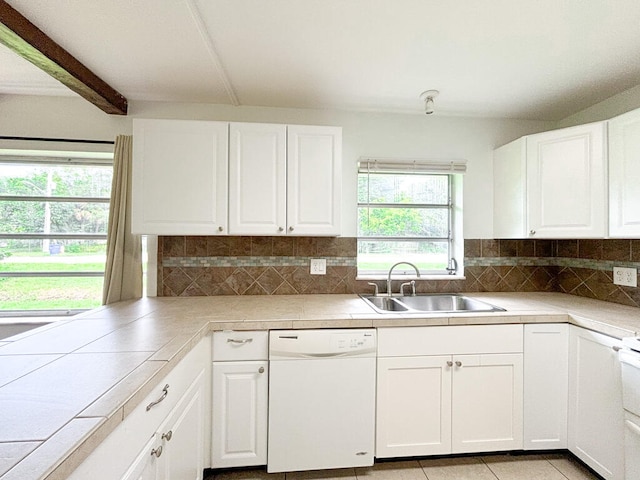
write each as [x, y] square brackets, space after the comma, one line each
[65, 386]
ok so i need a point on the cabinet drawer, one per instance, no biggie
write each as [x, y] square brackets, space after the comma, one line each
[449, 340]
[234, 345]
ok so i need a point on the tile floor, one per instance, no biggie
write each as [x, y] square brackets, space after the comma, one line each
[490, 467]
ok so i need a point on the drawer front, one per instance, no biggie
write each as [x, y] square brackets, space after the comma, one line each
[449, 340]
[236, 345]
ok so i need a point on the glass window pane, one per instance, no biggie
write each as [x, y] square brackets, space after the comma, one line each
[52, 255]
[403, 188]
[47, 293]
[403, 222]
[53, 217]
[379, 256]
[55, 180]
[50, 293]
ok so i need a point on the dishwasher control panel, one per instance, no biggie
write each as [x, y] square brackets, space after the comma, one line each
[327, 343]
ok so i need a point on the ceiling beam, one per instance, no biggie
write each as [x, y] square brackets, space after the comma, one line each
[31, 43]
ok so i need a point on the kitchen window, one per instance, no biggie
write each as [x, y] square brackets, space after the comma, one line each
[54, 211]
[409, 211]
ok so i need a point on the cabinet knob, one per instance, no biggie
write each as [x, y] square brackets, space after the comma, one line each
[261, 370]
[220, 229]
[167, 436]
[291, 229]
[532, 232]
[449, 363]
[458, 363]
[281, 229]
[616, 348]
[156, 452]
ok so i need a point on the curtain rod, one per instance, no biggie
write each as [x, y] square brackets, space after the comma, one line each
[68, 140]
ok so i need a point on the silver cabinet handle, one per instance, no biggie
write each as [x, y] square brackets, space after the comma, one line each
[361, 453]
[449, 363]
[616, 348]
[165, 392]
[220, 229]
[239, 342]
[167, 436]
[281, 229]
[261, 370]
[291, 229]
[156, 452]
[458, 363]
[532, 232]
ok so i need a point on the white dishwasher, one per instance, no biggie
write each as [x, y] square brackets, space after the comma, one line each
[321, 399]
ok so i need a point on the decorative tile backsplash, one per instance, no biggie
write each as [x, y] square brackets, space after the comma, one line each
[195, 266]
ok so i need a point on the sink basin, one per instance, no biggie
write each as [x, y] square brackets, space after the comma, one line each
[438, 303]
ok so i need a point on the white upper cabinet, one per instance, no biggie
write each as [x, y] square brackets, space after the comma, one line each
[179, 177]
[314, 184]
[284, 180]
[197, 177]
[566, 183]
[257, 179]
[552, 185]
[624, 175]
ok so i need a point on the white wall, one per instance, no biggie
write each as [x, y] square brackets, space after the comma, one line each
[609, 108]
[364, 134]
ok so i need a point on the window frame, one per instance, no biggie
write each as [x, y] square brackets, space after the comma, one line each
[454, 171]
[27, 157]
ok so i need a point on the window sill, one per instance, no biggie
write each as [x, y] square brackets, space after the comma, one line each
[412, 277]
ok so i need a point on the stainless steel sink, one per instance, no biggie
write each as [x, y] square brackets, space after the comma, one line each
[432, 303]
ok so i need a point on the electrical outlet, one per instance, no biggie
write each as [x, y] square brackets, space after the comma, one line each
[625, 276]
[318, 266]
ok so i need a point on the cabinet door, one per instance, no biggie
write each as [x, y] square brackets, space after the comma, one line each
[624, 173]
[546, 380]
[314, 172]
[413, 406]
[596, 426]
[487, 403]
[179, 177]
[257, 179]
[240, 405]
[566, 187]
[145, 466]
[182, 436]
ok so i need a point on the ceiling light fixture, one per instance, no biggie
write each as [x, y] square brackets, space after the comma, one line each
[428, 97]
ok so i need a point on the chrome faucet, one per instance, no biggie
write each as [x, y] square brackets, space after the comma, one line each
[452, 268]
[391, 270]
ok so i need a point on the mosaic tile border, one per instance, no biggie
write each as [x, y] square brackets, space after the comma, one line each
[254, 261]
[603, 265]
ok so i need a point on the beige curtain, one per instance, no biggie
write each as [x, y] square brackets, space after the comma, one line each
[123, 271]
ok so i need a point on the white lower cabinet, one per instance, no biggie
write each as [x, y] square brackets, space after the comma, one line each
[546, 385]
[467, 401]
[596, 419]
[240, 399]
[164, 440]
[144, 467]
[413, 406]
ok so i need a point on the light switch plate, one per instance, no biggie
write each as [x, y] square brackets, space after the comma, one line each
[625, 276]
[318, 266]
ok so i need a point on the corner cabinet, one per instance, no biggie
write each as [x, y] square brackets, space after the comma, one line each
[284, 180]
[453, 389]
[179, 177]
[624, 175]
[552, 185]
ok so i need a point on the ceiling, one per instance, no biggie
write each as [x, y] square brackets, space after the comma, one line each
[542, 59]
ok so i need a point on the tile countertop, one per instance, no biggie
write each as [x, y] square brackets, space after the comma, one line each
[65, 386]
